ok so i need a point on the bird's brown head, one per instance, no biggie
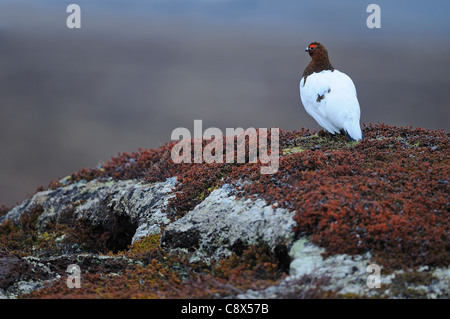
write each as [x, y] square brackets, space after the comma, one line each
[316, 49]
[319, 59]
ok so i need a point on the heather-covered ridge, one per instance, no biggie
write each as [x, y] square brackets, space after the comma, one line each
[386, 197]
[388, 194]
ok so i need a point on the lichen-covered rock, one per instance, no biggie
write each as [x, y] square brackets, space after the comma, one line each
[344, 275]
[129, 209]
[23, 275]
[339, 274]
[223, 224]
[17, 275]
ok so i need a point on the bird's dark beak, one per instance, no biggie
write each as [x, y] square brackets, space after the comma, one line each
[306, 50]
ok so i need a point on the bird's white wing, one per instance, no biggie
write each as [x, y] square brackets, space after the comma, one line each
[330, 98]
[313, 93]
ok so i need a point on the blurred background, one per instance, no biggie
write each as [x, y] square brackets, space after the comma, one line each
[137, 69]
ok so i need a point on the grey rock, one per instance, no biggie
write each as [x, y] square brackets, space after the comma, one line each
[134, 202]
[223, 224]
[343, 274]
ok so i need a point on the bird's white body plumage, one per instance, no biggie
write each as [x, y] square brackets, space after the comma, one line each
[330, 98]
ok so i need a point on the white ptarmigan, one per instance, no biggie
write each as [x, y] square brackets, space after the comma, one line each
[329, 96]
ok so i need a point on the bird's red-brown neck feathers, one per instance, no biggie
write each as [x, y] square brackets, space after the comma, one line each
[319, 60]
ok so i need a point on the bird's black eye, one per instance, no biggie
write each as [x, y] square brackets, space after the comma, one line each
[312, 47]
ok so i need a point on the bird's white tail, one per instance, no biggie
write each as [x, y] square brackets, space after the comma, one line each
[354, 131]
